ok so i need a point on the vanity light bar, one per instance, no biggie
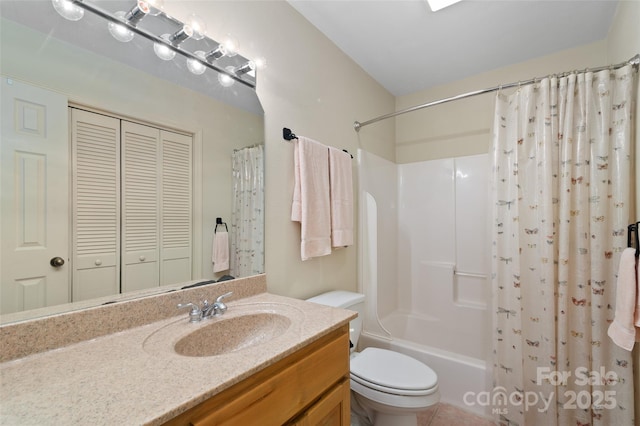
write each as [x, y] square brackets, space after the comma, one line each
[155, 39]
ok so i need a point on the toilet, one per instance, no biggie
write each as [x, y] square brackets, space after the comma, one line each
[389, 388]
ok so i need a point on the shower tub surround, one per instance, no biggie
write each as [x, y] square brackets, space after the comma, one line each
[95, 366]
[424, 266]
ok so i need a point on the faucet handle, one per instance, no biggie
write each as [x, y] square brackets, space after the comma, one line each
[221, 308]
[195, 315]
[219, 299]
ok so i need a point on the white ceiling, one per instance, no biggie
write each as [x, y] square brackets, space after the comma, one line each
[408, 48]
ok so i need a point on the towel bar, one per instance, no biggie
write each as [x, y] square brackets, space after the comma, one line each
[288, 135]
[469, 274]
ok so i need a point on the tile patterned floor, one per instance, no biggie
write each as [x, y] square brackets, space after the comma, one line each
[448, 415]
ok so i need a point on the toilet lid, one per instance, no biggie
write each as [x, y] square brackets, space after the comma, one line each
[392, 371]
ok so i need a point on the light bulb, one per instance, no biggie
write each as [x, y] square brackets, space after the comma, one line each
[198, 25]
[226, 80]
[197, 67]
[68, 10]
[120, 31]
[231, 44]
[261, 62]
[163, 51]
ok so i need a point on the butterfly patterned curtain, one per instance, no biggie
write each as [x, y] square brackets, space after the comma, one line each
[247, 216]
[561, 195]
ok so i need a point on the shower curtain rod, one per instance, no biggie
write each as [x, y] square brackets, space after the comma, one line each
[635, 61]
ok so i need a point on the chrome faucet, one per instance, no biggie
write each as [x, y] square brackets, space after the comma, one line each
[195, 314]
[215, 309]
[208, 311]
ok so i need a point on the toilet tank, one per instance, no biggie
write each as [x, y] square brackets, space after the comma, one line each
[345, 300]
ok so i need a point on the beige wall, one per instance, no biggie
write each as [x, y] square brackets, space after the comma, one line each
[313, 88]
[623, 42]
[463, 127]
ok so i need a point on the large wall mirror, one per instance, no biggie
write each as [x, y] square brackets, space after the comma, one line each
[115, 165]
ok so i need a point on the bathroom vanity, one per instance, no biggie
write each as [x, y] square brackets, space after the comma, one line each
[309, 387]
[269, 360]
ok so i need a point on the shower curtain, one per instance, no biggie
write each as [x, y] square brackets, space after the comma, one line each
[247, 216]
[561, 202]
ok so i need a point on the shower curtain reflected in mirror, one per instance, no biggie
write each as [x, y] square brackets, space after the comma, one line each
[561, 200]
[247, 217]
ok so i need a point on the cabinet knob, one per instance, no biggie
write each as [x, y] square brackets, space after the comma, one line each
[98, 262]
[142, 258]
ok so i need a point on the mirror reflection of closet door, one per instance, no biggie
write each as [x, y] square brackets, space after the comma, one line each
[176, 212]
[34, 188]
[156, 207]
[132, 227]
[140, 206]
[95, 141]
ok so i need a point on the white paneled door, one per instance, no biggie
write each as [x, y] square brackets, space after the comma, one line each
[34, 194]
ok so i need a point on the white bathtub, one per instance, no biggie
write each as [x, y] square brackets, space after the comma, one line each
[457, 374]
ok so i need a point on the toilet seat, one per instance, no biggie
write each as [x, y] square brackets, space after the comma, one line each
[393, 373]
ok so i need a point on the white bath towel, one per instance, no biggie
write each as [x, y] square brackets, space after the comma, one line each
[220, 251]
[341, 184]
[623, 329]
[311, 204]
[296, 205]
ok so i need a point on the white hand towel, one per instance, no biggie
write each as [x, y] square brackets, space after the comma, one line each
[341, 183]
[311, 161]
[220, 251]
[622, 330]
[296, 206]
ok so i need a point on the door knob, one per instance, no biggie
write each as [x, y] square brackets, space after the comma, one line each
[56, 262]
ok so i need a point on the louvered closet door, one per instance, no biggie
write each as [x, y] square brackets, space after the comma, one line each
[140, 206]
[176, 211]
[95, 142]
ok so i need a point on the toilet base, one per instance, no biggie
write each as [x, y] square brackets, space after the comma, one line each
[384, 419]
[367, 412]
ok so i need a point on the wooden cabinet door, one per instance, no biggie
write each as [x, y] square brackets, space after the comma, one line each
[331, 410]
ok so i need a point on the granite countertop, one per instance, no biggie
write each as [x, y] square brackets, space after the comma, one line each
[133, 377]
